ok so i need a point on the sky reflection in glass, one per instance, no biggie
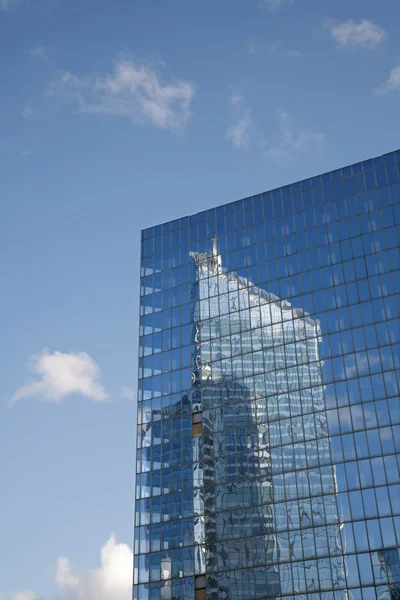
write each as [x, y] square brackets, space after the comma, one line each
[268, 421]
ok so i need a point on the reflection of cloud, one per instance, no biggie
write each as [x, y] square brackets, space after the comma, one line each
[357, 412]
[355, 415]
[350, 372]
[362, 366]
[386, 433]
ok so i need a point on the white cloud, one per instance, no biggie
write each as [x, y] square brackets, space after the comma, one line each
[235, 98]
[275, 49]
[239, 133]
[292, 140]
[127, 393]
[363, 33]
[276, 5]
[131, 91]
[29, 595]
[60, 374]
[27, 112]
[64, 576]
[112, 580]
[39, 51]
[392, 84]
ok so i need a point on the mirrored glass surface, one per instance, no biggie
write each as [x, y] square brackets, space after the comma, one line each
[268, 428]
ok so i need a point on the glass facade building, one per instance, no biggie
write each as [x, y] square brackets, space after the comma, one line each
[268, 429]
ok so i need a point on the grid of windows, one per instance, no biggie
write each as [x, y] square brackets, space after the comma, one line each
[268, 418]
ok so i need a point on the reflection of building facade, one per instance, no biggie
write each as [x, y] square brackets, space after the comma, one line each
[268, 453]
[386, 565]
[268, 419]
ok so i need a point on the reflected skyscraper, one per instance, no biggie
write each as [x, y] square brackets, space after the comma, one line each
[265, 430]
[268, 399]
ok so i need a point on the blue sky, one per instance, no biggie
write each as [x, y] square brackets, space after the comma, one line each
[115, 116]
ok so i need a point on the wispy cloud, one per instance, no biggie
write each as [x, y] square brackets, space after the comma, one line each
[235, 98]
[39, 51]
[134, 92]
[351, 33]
[254, 46]
[113, 579]
[28, 595]
[276, 49]
[240, 130]
[292, 140]
[276, 5]
[392, 84]
[127, 393]
[27, 112]
[60, 374]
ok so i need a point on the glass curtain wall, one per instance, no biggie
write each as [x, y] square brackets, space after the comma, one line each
[268, 413]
